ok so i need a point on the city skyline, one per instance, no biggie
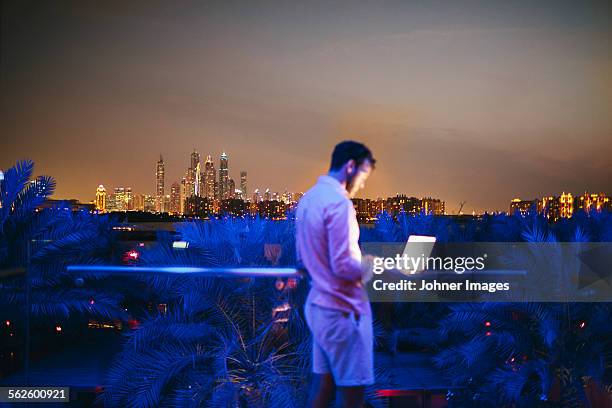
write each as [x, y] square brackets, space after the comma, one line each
[167, 189]
[470, 101]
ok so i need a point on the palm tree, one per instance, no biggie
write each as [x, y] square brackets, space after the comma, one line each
[214, 346]
[43, 242]
[518, 354]
[218, 343]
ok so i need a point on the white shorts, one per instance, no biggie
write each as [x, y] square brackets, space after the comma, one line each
[342, 345]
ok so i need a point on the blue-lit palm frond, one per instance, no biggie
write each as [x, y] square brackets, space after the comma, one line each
[32, 196]
[518, 348]
[59, 302]
[15, 180]
[262, 372]
[153, 377]
[173, 326]
[536, 229]
[72, 236]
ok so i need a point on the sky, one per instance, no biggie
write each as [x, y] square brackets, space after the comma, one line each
[476, 101]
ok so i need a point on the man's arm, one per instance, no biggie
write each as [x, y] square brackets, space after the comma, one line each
[343, 241]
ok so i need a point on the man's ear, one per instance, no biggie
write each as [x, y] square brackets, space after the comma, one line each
[350, 167]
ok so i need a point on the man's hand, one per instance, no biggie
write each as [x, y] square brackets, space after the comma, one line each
[367, 266]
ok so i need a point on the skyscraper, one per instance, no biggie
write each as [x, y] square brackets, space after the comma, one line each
[111, 202]
[223, 177]
[139, 202]
[196, 180]
[101, 198]
[231, 188]
[193, 177]
[189, 183]
[256, 196]
[183, 195]
[175, 198]
[243, 184]
[195, 161]
[209, 178]
[160, 190]
[120, 199]
[129, 199]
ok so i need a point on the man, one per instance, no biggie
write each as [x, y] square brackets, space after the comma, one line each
[337, 309]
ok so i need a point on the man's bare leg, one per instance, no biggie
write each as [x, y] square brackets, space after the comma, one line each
[352, 397]
[322, 390]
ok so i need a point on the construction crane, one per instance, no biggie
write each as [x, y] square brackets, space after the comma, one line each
[461, 204]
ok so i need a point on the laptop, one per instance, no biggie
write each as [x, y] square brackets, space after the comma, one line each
[419, 248]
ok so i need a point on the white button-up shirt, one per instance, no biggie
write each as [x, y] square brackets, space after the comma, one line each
[327, 235]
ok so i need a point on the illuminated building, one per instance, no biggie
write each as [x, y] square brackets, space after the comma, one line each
[566, 205]
[101, 198]
[175, 198]
[120, 199]
[523, 207]
[193, 175]
[234, 206]
[150, 202]
[72, 205]
[197, 183]
[189, 184]
[160, 187]
[287, 197]
[182, 195]
[129, 199]
[198, 207]
[243, 183]
[432, 206]
[363, 209]
[549, 207]
[592, 202]
[377, 206]
[401, 202]
[209, 178]
[223, 177]
[272, 209]
[39, 185]
[111, 202]
[231, 188]
[138, 202]
[167, 203]
[256, 196]
[194, 162]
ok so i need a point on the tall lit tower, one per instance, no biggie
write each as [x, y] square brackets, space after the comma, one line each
[183, 195]
[175, 198]
[231, 188]
[243, 183]
[223, 177]
[196, 180]
[129, 199]
[120, 199]
[195, 161]
[101, 198]
[209, 178]
[160, 190]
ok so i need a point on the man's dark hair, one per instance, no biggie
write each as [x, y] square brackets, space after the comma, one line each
[347, 150]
